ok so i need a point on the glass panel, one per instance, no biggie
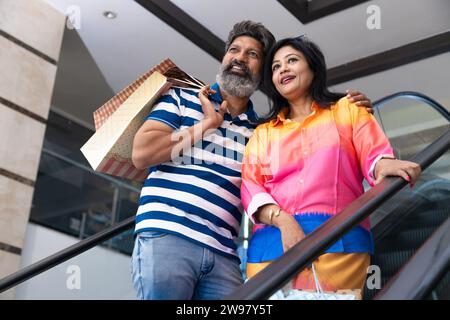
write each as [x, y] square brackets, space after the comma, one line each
[407, 220]
[411, 124]
[74, 200]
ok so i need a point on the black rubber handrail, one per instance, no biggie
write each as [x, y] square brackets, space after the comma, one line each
[418, 96]
[64, 255]
[279, 272]
[420, 275]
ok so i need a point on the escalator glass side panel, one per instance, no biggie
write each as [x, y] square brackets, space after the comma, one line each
[406, 221]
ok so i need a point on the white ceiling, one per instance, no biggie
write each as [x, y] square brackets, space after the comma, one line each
[129, 45]
[428, 76]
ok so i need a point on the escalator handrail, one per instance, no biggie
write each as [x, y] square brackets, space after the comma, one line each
[279, 272]
[416, 95]
[61, 256]
[417, 278]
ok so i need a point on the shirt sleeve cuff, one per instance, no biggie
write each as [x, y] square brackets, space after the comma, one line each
[163, 121]
[372, 167]
[258, 201]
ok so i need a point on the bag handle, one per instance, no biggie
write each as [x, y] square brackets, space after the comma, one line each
[316, 280]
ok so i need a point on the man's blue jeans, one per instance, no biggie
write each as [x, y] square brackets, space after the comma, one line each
[168, 267]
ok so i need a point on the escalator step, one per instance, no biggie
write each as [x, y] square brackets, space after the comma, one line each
[404, 240]
[394, 250]
[418, 218]
[426, 219]
[389, 263]
[370, 294]
[441, 291]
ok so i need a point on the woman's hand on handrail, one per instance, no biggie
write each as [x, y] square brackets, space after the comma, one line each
[410, 171]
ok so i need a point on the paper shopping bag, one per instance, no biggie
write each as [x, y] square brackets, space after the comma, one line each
[326, 295]
[118, 120]
[289, 293]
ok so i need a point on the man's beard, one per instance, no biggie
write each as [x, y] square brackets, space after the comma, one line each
[235, 84]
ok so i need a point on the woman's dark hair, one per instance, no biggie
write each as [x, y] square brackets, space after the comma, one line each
[316, 61]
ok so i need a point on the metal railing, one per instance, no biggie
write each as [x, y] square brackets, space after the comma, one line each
[64, 255]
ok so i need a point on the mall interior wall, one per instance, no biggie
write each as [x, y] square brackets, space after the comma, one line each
[30, 41]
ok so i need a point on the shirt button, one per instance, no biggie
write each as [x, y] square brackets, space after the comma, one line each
[305, 152]
[301, 181]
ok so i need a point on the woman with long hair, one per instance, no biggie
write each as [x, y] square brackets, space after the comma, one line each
[307, 163]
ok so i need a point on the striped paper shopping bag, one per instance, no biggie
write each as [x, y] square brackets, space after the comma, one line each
[118, 120]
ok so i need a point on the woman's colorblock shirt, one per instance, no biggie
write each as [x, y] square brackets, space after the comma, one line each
[313, 170]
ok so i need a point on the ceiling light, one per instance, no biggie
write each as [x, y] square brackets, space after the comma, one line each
[110, 14]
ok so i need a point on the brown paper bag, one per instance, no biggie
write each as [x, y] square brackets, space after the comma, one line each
[118, 120]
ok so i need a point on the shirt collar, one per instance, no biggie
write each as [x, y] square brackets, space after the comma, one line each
[249, 115]
[281, 117]
[217, 97]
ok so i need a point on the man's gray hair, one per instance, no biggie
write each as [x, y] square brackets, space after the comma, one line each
[252, 29]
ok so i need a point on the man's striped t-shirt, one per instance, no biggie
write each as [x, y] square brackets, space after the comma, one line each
[197, 195]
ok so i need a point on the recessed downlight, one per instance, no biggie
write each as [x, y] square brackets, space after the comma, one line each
[110, 14]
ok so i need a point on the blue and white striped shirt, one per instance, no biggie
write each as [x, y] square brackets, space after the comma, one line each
[197, 195]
